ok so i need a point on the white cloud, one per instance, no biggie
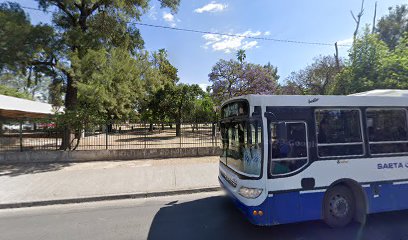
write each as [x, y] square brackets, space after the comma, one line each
[228, 44]
[347, 41]
[211, 7]
[267, 33]
[170, 19]
[249, 45]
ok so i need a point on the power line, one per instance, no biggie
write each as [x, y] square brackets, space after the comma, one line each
[238, 35]
[223, 34]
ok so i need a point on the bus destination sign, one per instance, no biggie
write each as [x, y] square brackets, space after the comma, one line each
[235, 109]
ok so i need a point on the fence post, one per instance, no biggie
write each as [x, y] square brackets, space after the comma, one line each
[181, 127]
[145, 135]
[212, 133]
[106, 136]
[56, 132]
[21, 136]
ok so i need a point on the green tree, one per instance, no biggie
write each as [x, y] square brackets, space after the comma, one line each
[392, 27]
[235, 78]
[241, 55]
[363, 71]
[394, 67]
[290, 87]
[161, 76]
[23, 50]
[314, 79]
[204, 109]
[85, 29]
[8, 91]
[176, 103]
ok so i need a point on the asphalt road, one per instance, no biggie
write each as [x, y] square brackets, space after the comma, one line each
[195, 216]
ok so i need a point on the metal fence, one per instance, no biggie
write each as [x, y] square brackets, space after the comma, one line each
[33, 136]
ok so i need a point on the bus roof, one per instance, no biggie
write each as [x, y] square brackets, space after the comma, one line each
[365, 99]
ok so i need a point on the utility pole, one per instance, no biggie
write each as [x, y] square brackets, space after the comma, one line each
[336, 57]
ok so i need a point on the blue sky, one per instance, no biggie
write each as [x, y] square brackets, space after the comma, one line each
[194, 54]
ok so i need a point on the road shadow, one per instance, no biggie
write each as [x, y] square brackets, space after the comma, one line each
[23, 169]
[217, 218]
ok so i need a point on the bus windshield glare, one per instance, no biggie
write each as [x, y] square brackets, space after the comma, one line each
[241, 146]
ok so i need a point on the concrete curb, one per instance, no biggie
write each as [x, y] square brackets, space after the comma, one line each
[106, 198]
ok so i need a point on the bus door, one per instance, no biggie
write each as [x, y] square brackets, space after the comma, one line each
[288, 154]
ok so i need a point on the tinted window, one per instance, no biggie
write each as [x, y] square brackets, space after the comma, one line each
[288, 146]
[339, 132]
[387, 130]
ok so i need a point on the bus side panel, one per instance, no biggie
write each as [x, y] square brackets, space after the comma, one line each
[312, 205]
[295, 207]
[285, 208]
[384, 197]
[402, 196]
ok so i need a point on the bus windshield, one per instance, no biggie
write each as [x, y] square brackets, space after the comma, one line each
[241, 146]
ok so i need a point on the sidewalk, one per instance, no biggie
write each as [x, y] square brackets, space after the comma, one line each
[41, 184]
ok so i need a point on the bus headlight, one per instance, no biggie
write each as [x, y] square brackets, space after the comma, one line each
[250, 192]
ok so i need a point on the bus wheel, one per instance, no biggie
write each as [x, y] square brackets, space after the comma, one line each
[339, 206]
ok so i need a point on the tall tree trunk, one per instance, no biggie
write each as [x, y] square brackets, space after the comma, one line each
[178, 128]
[178, 123]
[71, 100]
[151, 127]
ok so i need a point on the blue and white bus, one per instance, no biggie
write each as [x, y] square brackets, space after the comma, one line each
[295, 158]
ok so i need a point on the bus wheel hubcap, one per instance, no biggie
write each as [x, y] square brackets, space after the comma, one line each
[339, 206]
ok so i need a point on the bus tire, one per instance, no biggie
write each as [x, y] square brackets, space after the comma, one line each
[339, 206]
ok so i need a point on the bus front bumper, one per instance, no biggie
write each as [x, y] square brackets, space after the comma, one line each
[249, 211]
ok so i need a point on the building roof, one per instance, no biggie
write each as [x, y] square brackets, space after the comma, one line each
[12, 107]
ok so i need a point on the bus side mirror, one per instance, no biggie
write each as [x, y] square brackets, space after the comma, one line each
[281, 131]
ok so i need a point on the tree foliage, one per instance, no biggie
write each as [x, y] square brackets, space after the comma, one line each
[392, 27]
[92, 52]
[8, 91]
[376, 60]
[394, 67]
[315, 79]
[23, 50]
[178, 103]
[235, 78]
[363, 72]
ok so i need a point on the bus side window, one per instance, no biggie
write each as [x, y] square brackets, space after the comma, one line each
[339, 132]
[288, 147]
[387, 131]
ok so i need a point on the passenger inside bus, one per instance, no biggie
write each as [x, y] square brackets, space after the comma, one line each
[322, 134]
[289, 148]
